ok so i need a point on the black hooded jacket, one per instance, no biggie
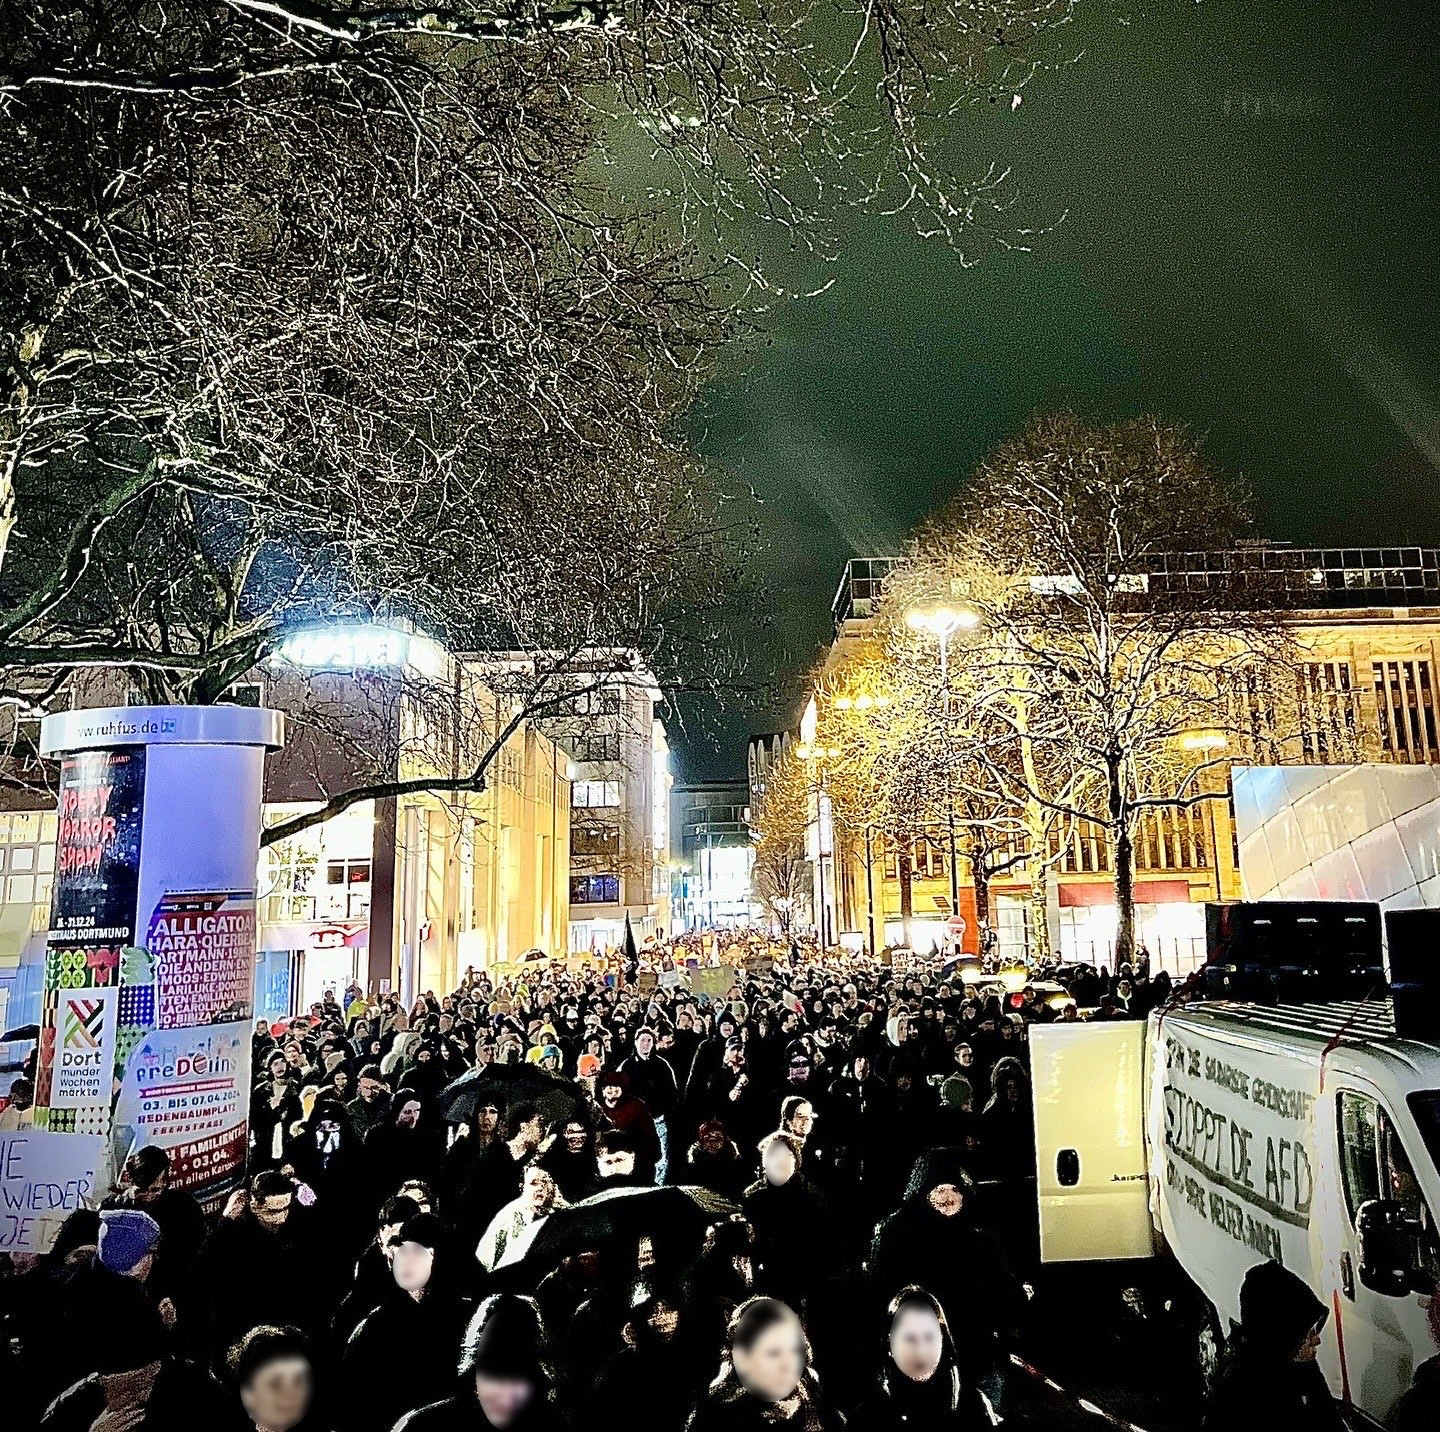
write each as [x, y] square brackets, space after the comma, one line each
[1261, 1387]
[963, 1266]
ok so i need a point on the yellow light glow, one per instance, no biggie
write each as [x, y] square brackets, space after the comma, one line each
[844, 703]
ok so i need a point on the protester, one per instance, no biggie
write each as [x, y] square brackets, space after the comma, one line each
[417, 1326]
[792, 1107]
[504, 1382]
[921, 1384]
[271, 1372]
[765, 1382]
[1268, 1377]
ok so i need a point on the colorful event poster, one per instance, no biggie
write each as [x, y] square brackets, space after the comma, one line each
[97, 853]
[84, 1048]
[203, 946]
[187, 1090]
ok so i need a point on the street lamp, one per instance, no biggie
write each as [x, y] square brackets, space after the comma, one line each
[941, 621]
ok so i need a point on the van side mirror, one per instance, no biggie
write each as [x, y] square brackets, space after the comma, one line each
[1387, 1247]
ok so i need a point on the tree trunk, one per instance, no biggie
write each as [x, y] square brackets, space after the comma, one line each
[1039, 913]
[980, 879]
[905, 864]
[1122, 855]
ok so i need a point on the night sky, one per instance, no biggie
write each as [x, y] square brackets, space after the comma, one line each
[1251, 221]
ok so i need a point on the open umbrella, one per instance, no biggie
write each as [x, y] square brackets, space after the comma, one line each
[21, 1034]
[506, 1084]
[682, 1212]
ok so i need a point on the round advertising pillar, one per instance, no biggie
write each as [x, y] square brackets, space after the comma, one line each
[150, 957]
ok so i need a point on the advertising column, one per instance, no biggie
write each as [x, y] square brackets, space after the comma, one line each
[150, 960]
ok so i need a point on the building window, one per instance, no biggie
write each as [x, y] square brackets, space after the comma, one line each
[27, 860]
[1405, 701]
[594, 889]
[593, 840]
[598, 746]
[347, 890]
[594, 795]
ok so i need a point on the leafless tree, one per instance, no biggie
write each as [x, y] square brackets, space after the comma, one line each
[1103, 669]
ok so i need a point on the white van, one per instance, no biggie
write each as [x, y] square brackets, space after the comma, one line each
[1227, 1133]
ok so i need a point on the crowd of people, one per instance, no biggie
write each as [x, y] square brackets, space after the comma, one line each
[819, 1213]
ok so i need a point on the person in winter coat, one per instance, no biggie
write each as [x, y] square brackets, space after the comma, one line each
[1007, 1123]
[1268, 1376]
[653, 1081]
[145, 1185]
[275, 1109]
[505, 1384]
[570, 1158]
[920, 1386]
[765, 1382]
[789, 1220]
[732, 1096]
[712, 1161]
[407, 1145]
[272, 1374]
[929, 1241]
[138, 1387]
[538, 1198]
[416, 1330]
[1419, 1409]
[662, 1368]
[325, 1155]
[372, 1278]
[622, 1111]
[264, 1227]
[371, 1105]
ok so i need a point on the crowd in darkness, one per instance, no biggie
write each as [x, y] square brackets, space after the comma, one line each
[862, 1137]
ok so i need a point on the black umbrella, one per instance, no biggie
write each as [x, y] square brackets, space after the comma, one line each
[683, 1212]
[20, 1034]
[506, 1084]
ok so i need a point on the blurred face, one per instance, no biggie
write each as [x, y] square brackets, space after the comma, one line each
[946, 1200]
[862, 1068]
[803, 1119]
[611, 1094]
[916, 1342]
[273, 1211]
[779, 1164]
[370, 1089]
[712, 1141]
[964, 1056]
[772, 1366]
[293, 1058]
[409, 1114]
[1310, 1346]
[412, 1264]
[664, 1320]
[502, 1399]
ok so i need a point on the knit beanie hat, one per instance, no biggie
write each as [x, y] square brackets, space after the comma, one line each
[126, 1236]
[956, 1091]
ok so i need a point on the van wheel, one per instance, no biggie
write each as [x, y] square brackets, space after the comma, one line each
[1209, 1345]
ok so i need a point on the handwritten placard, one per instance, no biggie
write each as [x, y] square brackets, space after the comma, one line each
[44, 1178]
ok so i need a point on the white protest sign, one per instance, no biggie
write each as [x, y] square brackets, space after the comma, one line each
[44, 1178]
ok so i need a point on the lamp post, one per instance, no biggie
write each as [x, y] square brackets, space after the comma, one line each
[941, 621]
[808, 751]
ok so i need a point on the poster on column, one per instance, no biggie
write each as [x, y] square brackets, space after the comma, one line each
[203, 946]
[92, 921]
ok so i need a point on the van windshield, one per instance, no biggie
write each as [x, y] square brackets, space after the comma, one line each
[1426, 1109]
